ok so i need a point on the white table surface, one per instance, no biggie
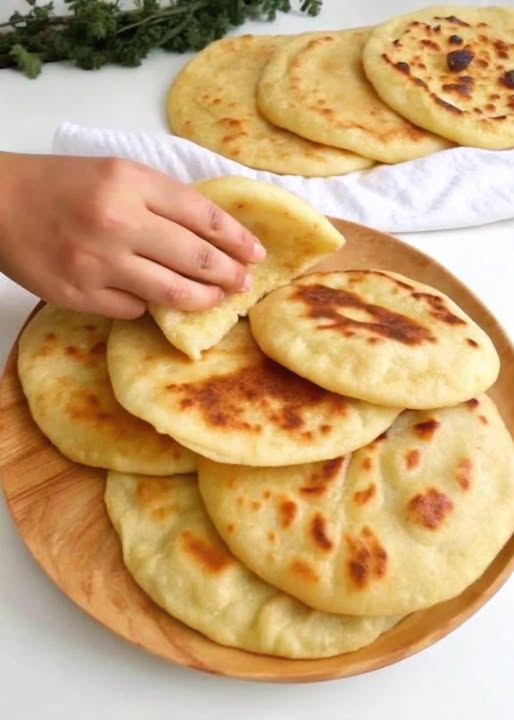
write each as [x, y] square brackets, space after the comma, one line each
[56, 662]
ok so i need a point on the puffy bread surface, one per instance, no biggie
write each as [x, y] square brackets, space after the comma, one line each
[450, 70]
[408, 521]
[235, 405]
[174, 553]
[378, 336]
[314, 85]
[63, 371]
[213, 103]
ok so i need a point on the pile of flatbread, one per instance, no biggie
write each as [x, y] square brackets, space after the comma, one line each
[295, 470]
[328, 103]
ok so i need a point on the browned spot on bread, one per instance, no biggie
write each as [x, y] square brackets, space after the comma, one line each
[463, 473]
[374, 340]
[234, 136]
[403, 67]
[282, 396]
[482, 63]
[367, 559]
[453, 19]
[438, 308]
[502, 48]
[230, 122]
[430, 509]
[507, 79]
[412, 458]
[230, 528]
[367, 463]
[271, 536]
[455, 40]
[472, 404]
[84, 406]
[161, 513]
[318, 482]
[326, 303]
[319, 533]
[266, 494]
[460, 88]
[99, 348]
[458, 60]
[430, 44]
[255, 505]
[306, 571]
[325, 429]
[490, 107]
[471, 342]
[483, 420]
[89, 327]
[50, 337]
[426, 429]
[153, 490]
[361, 497]
[287, 510]
[213, 558]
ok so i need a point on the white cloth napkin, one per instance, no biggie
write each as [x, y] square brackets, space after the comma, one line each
[454, 188]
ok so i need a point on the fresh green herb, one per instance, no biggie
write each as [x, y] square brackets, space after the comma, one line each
[96, 32]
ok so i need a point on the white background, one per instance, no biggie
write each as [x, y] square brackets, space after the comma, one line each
[55, 662]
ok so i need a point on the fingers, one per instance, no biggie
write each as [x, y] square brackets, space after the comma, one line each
[117, 304]
[157, 284]
[182, 251]
[111, 302]
[187, 207]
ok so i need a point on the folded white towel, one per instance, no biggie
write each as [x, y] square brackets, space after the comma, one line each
[455, 188]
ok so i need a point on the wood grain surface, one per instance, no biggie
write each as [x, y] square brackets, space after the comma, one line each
[59, 512]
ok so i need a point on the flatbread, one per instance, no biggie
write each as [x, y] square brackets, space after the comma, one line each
[173, 552]
[315, 86]
[449, 70]
[235, 405]
[377, 336]
[404, 523]
[295, 235]
[213, 103]
[63, 371]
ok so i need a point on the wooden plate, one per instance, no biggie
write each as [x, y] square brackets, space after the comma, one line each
[58, 509]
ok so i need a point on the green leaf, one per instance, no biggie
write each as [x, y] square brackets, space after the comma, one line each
[93, 33]
[29, 63]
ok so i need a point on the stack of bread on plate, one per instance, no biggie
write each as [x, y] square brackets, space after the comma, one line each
[328, 103]
[295, 470]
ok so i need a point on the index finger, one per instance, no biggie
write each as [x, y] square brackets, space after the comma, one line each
[187, 207]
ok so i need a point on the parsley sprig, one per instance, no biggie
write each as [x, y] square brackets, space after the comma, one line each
[95, 32]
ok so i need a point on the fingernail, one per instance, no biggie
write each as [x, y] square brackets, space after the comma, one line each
[258, 251]
[247, 283]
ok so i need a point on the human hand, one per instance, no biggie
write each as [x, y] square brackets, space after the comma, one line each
[107, 236]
